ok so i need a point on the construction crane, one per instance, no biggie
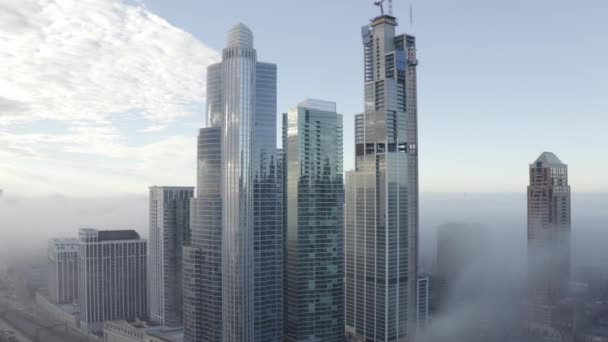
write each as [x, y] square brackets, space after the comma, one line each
[381, 5]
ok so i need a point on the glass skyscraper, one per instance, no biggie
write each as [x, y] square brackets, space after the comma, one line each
[314, 213]
[247, 204]
[548, 245]
[203, 253]
[169, 230]
[382, 192]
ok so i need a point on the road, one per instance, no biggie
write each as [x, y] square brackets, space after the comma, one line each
[27, 327]
[18, 335]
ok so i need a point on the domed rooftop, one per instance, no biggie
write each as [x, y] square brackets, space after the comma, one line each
[239, 35]
[549, 158]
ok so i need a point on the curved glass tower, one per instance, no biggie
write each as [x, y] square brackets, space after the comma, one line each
[238, 67]
[241, 112]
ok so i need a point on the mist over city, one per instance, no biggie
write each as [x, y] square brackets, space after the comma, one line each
[310, 171]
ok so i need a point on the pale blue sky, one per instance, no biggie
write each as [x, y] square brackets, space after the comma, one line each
[499, 81]
[105, 97]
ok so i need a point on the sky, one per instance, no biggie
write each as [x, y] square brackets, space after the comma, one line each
[105, 97]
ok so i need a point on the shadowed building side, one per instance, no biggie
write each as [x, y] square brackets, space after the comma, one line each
[169, 221]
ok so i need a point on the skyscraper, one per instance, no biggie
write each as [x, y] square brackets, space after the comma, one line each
[315, 259]
[241, 104]
[169, 230]
[63, 270]
[548, 243]
[203, 254]
[382, 193]
[112, 277]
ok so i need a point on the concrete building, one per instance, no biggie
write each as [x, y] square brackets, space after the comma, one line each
[57, 313]
[315, 230]
[241, 108]
[169, 231]
[548, 245]
[112, 277]
[462, 249]
[140, 331]
[382, 192]
[63, 270]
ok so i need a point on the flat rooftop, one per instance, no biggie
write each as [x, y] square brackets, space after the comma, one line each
[115, 235]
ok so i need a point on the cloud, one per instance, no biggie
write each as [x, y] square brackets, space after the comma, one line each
[80, 81]
[89, 59]
[155, 128]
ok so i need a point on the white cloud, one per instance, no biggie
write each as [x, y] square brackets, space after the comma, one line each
[154, 128]
[92, 161]
[86, 59]
[94, 69]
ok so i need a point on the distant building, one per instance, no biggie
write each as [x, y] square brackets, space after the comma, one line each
[315, 226]
[461, 248]
[548, 246]
[63, 255]
[169, 230]
[112, 277]
[423, 299]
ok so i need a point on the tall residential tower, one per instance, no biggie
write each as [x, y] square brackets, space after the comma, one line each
[315, 259]
[548, 245]
[169, 230]
[241, 113]
[382, 193]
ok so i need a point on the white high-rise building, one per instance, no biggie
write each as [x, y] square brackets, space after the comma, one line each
[63, 270]
[112, 277]
[169, 231]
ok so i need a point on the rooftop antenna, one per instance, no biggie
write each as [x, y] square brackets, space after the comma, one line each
[411, 15]
[380, 4]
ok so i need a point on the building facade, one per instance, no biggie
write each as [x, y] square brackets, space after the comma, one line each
[112, 277]
[382, 193]
[63, 270]
[548, 245]
[315, 259]
[169, 230]
[203, 253]
[423, 303]
[241, 106]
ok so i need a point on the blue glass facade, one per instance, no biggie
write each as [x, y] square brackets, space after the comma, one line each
[203, 254]
[315, 263]
[268, 210]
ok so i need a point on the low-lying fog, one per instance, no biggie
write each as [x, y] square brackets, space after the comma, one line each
[495, 281]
